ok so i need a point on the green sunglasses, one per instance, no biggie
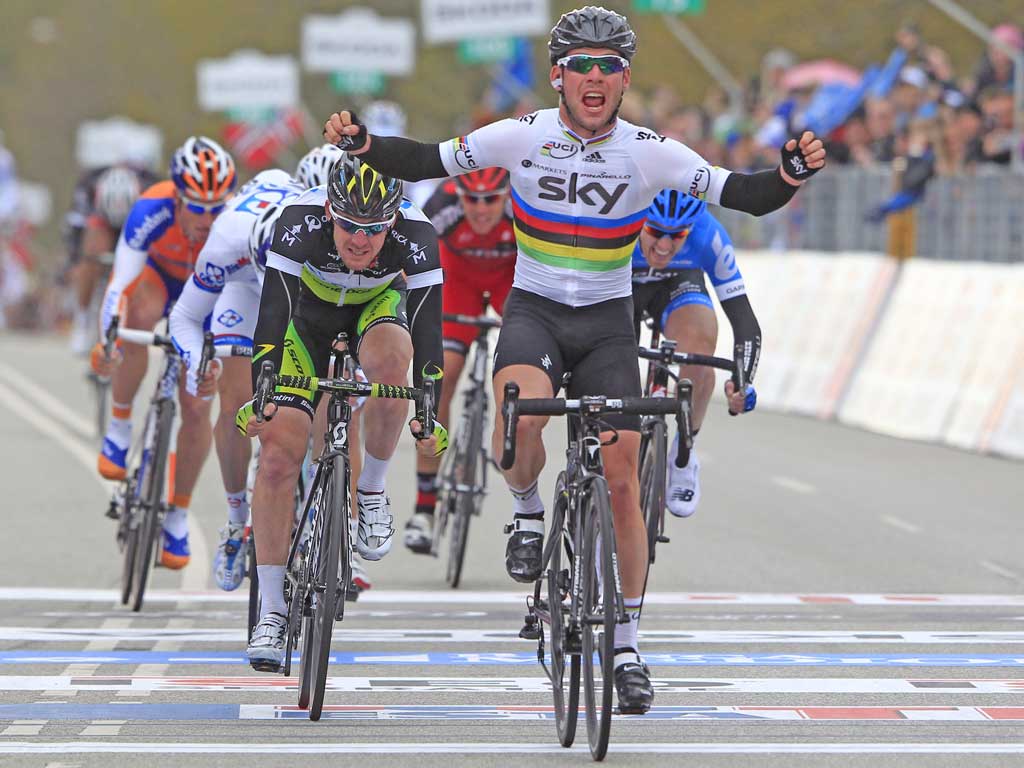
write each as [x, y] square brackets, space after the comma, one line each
[582, 63]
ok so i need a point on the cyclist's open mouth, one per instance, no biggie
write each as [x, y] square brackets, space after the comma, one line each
[593, 101]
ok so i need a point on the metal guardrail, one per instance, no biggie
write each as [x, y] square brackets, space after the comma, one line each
[976, 217]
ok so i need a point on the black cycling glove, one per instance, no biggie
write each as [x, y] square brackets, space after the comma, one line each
[794, 164]
[356, 142]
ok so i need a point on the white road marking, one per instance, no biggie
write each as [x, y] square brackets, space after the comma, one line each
[183, 635]
[138, 684]
[495, 598]
[23, 728]
[103, 728]
[1001, 570]
[792, 484]
[420, 747]
[31, 390]
[901, 524]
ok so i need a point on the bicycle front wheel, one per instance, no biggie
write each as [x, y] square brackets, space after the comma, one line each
[465, 473]
[152, 483]
[566, 692]
[128, 538]
[598, 613]
[254, 582]
[652, 482]
[325, 547]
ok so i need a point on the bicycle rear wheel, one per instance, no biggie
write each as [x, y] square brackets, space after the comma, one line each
[254, 582]
[153, 486]
[652, 482]
[324, 557]
[598, 613]
[127, 537]
[566, 693]
[465, 473]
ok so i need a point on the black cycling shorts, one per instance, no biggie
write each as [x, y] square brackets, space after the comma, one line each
[595, 343]
[313, 328]
[659, 299]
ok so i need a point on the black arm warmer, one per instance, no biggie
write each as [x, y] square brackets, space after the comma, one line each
[280, 290]
[746, 332]
[756, 193]
[404, 158]
[423, 307]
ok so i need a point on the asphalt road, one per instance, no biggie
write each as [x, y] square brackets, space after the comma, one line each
[840, 598]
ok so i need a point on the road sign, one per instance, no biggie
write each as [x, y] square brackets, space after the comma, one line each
[487, 50]
[446, 21]
[118, 140]
[247, 80]
[370, 83]
[358, 40]
[670, 6]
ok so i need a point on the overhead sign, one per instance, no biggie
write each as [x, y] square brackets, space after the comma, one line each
[669, 6]
[247, 80]
[446, 21]
[118, 140]
[358, 40]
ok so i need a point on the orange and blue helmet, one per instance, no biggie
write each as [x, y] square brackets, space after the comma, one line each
[203, 171]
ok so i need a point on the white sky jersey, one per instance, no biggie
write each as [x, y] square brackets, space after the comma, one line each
[224, 261]
[579, 204]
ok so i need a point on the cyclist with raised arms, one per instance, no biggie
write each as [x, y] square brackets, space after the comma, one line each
[473, 219]
[681, 241]
[225, 288]
[100, 204]
[155, 255]
[350, 256]
[582, 180]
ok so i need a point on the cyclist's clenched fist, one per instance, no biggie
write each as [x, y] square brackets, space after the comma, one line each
[344, 130]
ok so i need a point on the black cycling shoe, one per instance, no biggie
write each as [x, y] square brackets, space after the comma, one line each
[523, 554]
[633, 684]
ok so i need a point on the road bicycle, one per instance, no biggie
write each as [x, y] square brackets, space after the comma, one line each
[319, 565]
[463, 475]
[579, 594]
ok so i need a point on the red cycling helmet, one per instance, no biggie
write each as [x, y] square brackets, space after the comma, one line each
[482, 182]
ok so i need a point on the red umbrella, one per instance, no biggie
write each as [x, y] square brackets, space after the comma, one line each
[820, 72]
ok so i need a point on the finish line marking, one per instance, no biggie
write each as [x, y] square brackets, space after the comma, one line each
[528, 659]
[461, 636]
[458, 597]
[419, 748]
[505, 684]
[209, 712]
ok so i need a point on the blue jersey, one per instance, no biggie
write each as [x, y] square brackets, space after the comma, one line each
[707, 247]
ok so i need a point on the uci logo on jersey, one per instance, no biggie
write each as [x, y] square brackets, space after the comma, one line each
[592, 194]
[463, 157]
[701, 183]
[558, 150]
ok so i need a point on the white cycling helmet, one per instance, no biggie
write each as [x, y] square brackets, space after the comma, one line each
[384, 118]
[262, 235]
[314, 165]
[117, 189]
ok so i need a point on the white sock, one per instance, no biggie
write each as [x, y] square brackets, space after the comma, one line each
[527, 502]
[176, 521]
[238, 508]
[271, 589]
[626, 634]
[119, 431]
[371, 478]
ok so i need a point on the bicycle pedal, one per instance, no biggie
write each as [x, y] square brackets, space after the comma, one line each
[112, 512]
[531, 628]
[509, 527]
[266, 666]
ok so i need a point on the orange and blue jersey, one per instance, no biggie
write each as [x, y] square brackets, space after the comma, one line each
[152, 248]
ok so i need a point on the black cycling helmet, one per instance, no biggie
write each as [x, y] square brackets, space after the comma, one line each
[356, 189]
[592, 27]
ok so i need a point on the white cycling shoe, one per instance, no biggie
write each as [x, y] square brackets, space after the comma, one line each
[376, 529]
[266, 648]
[682, 492]
[229, 562]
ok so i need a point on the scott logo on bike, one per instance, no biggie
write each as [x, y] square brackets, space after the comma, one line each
[593, 194]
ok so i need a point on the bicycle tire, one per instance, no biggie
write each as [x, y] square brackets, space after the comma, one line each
[652, 482]
[566, 697]
[153, 498]
[254, 582]
[324, 563]
[599, 605]
[465, 470]
[128, 540]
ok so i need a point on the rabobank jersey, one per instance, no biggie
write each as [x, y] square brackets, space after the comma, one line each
[303, 246]
[225, 256]
[579, 204]
[150, 228]
[707, 247]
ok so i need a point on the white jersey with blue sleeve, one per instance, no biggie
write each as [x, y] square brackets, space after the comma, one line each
[579, 204]
[223, 293]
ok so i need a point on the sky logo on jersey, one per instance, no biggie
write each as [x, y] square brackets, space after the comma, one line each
[593, 194]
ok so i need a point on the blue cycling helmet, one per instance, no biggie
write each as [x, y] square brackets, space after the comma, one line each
[673, 211]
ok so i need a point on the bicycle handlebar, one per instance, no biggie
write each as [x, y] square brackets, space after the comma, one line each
[666, 355]
[146, 338]
[110, 339]
[513, 408]
[481, 321]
